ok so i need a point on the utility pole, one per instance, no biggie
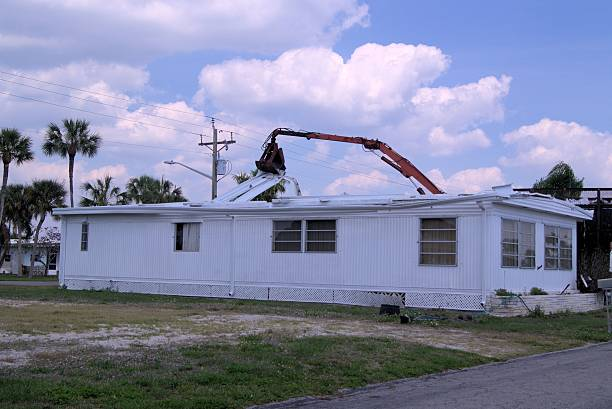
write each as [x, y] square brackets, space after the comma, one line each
[214, 160]
[214, 148]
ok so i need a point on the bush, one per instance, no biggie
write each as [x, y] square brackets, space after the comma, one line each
[537, 291]
[537, 312]
[502, 292]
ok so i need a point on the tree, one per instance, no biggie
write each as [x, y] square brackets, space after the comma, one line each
[43, 196]
[76, 137]
[266, 196]
[559, 179]
[102, 193]
[14, 147]
[147, 189]
[18, 215]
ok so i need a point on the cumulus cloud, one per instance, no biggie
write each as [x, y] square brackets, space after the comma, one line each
[136, 32]
[467, 180]
[444, 144]
[358, 183]
[118, 172]
[540, 145]
[382, 89]
[376, 79]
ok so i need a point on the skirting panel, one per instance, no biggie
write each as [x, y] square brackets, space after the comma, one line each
[329, 296]
[320, 295]
[467, 302]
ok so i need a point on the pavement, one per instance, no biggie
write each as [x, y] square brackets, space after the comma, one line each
[579, 378]
[21, 283]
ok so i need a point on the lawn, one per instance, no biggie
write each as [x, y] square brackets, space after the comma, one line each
[13, 277]
[90, 349]
[258, 369]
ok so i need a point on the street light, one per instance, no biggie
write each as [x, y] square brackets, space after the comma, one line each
[171, 162]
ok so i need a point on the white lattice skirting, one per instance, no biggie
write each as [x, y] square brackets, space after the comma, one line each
[320, 295]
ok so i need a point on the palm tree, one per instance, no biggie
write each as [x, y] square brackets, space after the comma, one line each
[76, 137]
[18, 214]
[44, 196]
[266, 196]
[13, 147]
[102, 193]
[147, 189]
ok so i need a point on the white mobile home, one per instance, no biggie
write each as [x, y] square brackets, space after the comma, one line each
[427, 251]
[45, 260]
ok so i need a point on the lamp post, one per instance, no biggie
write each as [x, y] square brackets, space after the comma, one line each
[206, 175]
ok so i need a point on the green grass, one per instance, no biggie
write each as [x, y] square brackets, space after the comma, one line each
[12, 277]
[586, 326]
[212, 304]
[258, 369]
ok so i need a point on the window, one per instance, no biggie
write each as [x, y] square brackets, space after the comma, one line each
[7, 258]
[84, 236]
[287, 235]
[311, 236]
[438, 244]
[321, 236]
[557, 248]
[187, 237]
[52, 261]
[518, 244]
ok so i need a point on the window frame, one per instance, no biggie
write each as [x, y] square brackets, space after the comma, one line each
[519, 244]
[558, 247]
[304, 236]
[273, 241]
[176, 236]
[420, 242]
[85, 236]
[306, 231]
[55, 262]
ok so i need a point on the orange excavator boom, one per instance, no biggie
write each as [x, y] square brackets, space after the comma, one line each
[272, 159]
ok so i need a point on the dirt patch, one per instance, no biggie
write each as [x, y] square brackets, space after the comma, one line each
[37, 328]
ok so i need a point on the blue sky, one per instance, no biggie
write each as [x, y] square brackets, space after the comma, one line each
[495, 93]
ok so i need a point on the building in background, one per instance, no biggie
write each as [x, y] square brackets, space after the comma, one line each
[45, 263]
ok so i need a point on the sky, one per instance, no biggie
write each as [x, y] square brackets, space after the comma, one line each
[474, 93]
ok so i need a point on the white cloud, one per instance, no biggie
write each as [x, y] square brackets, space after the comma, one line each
[444, 144]
[358, 183]
[467, 180]
[136, 32]
[381, 89]
[118, 172]
[540, 145]
[374, 81]
[320, 152]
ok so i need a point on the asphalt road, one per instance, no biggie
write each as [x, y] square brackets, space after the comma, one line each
[578, 379]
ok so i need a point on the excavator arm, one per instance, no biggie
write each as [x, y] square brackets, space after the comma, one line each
[272, 159]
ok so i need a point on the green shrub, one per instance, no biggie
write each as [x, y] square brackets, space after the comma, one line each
[537, 312]
[537, 291]
[502, 292]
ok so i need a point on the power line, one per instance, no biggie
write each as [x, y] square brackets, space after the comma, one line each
[102, 94]
[19, 75]
[99, 102]
[197, 134]
[99, 113]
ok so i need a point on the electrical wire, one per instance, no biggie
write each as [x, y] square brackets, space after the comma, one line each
[99, 102]
[294, 144]
[102, 94]
[193, 133]
[99, 113]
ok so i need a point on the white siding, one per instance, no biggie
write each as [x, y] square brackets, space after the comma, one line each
[373, 252]
[519, 279]
[376, 251]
